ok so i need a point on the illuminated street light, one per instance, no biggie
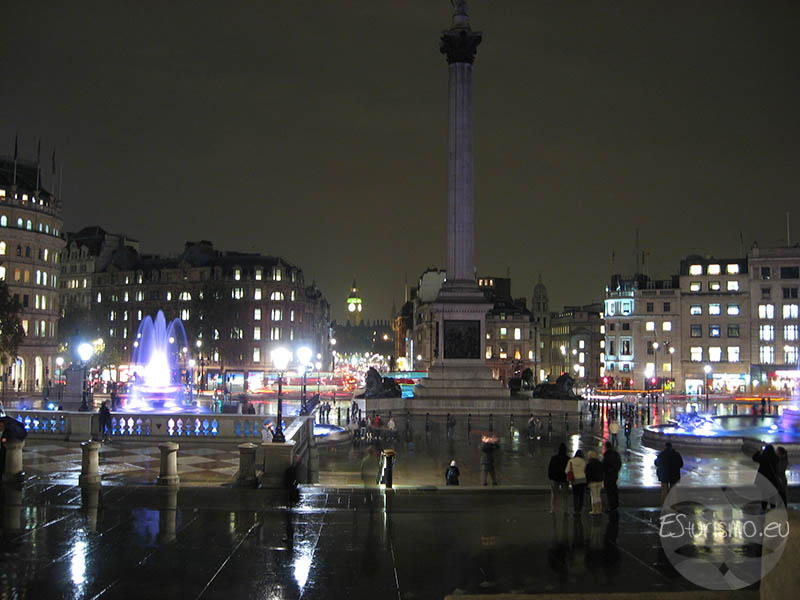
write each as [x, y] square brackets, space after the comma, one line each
[304, 354]
[707, 369]
[280, 360]
[85, 351]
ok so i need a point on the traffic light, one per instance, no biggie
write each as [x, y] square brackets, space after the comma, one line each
[605, 381]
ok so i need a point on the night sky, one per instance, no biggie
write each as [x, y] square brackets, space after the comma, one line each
[318, 131]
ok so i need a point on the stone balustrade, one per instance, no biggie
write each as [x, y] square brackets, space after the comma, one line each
[80, 426]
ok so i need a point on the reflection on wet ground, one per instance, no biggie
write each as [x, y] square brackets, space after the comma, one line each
[425, 448]
[206, 543]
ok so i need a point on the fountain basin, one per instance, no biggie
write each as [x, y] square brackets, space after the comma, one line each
[732, 432]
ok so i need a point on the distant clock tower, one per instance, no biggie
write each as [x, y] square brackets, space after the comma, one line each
[354, 305]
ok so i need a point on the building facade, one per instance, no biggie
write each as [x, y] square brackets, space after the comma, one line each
[256, 303]
[575, 343]
[30, 247]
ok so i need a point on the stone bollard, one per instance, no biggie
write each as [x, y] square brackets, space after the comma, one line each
[13, 472]
[247, 466]
[90, 472]
[169, 464]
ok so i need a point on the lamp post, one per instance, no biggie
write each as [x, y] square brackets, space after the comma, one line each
[59, 370]
[707, 370]
[190, 377]
[304, 357]
[564, 356]
[85, 352]
[280, 359]
[333, 367]
[671, 372]
[199, 344]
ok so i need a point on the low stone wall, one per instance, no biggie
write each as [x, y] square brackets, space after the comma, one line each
[654, 438]
[474, 406]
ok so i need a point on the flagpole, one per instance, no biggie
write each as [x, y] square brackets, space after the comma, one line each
[16, 152]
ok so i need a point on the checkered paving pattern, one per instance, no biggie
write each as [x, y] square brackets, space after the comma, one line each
[129, 463]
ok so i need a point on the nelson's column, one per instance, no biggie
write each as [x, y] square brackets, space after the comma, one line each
[459, 377]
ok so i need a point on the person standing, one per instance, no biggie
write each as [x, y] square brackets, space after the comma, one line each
[576, 475]
[451, 474]
[767, 461]
[669, 463]
[488, 447]
[612, 463]
[613, 429]
[594, 479]
[557, 473]
[628, 427]
[105, 421]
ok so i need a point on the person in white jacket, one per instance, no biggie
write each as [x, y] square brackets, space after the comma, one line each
[576, 475]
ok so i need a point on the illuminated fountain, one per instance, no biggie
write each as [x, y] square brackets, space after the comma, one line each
[157, 354]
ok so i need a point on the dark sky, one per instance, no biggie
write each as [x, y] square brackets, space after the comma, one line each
[317, 131]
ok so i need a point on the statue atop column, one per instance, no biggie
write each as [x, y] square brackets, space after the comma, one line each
[460, 14]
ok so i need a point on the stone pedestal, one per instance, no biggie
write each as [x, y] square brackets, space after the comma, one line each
[277, 458]
[168, 473]
[90, 471]
[13, 472]
[247, 466]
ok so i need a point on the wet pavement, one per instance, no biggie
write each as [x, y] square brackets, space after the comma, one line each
[207, 543]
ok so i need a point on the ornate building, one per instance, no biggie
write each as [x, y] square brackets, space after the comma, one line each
[30, 245]
[354, 305]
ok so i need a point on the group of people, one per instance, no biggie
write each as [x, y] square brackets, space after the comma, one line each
[772, 465]
[581, 472]
[489, 446]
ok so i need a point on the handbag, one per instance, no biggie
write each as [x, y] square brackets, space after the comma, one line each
[570, 475]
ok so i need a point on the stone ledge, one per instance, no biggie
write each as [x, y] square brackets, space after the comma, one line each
[690, 595]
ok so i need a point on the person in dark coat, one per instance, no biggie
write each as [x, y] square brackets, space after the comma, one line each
[556, 472]
[767, 461]
[105, 421]
[669, 463]
[612, 463]
[451, 474]
[488, 447]
[595, 474]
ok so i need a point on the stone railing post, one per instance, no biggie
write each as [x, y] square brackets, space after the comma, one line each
[90, 471]
[247, 465]
[168, 474]
[12, 472]
[277, 458]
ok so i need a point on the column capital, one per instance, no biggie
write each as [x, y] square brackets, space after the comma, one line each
[460, 45]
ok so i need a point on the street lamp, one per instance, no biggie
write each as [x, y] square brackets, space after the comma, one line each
[280, 360]
[564, 355]
[85, 352]
[707, 370]
[59, 369]
[304, 358]
[671, 372]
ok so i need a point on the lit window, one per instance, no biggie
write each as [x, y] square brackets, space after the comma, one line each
[695, 269]
[2, 273]
[488, 352]
[276, 274]
[276, 314]
[790, 355]
[732, 268]
[4, 221]
[237, 274]
[714, 270]
[790, 311]
[766, 355]
[2, 247]
[695, 309]
[714, 286]
[256, 314]
[733, 353]
[29, 225]
[581, 357]
[256, 333]
[650, 326]
[766, 311]
[258, 273]
[503, 332]
[125, 295]
[714, 309]
[696, 331]
[99, 297]
[666, 326]
[275, 334]
[256, 354]
[503, 353]
[139, 296]
[185, 296]
[292, 296]
[733, 309]
[291, 315]
[766, 333]
[696, 354]
[713, 331]
[276, 296]
[790, 333]
[733, 285]
[20, 222]
[257, 294]
[237, 293]
[715, 354]
[184, 314]
[517, 333]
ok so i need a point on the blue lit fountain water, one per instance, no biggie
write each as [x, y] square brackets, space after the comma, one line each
[156, 365]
